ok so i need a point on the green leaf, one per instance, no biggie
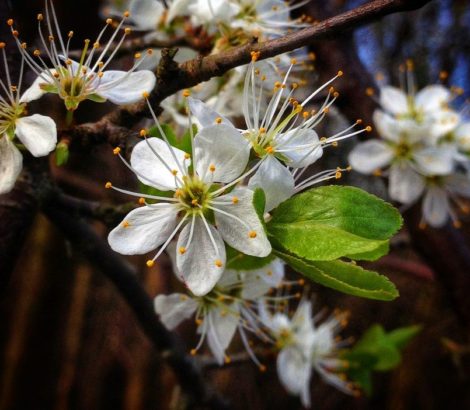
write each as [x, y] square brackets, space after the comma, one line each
[402, 336]
[239, 261]
[373, 255]
[348, 208]
[344, 277]
[330, 222]
[61, 154]
[317, 242]
[149, 190]
[259, 202]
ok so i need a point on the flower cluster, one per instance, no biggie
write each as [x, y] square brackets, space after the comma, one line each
[424, 150]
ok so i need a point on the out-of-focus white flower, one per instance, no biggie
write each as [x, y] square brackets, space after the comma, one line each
[305, 347]
[442, 195]
[88, 78]
[151, 15]
[36, 132]
[228, 307]
[202, 210]
[281, 133]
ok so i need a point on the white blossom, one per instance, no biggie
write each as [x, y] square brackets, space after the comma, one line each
[36, 132]
[201, 209]
[281, 133]
[229, 307]
[89, 78]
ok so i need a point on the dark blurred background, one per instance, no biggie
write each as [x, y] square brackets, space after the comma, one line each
[69, 341]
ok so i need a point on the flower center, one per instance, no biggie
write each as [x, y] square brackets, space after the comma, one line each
[403, 150]
[194, 194]
[8, 115]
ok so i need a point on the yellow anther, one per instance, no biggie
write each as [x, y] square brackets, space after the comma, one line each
[235, 200]
[194, 202]
[377, 173]
[174, 172]
[24, 45]
[2, 45]
[141, 201]
[10, 22]
[305, 114]
[294, 86]
[143, 132]
[36, 53]
[150, 263]
[227, 359]
[326, 110]
[187, 156]
[50, 38]
[293, 61]
[108, 185]
[359, 121]
[269, 149]
[334, 144]
[218, 263]
[186, 93]
[368, 128]
[127, 31]
[252, 234]
[100, 74]
[443, 75]
[410, 65]
[301, 282]
[370, 91]
[182, 250]
[269, 273]
[262, 130]
[257, 71]
[218, 120]
[96, 45]
[137, 55]
[338, 174]
[457, 224]
[336, 94]
[263, 77]
[277, 84]
[126, 13]
[126, 224]
[212, 168]
[40, 17]
[254, 55]
[149, 51]
[117, 151]
[109, 21]
[70, 34]
[193, 352]
[198, 322]
[340, 73]
[312, 56]
[178, 193]
[262, 368]
[145, 94]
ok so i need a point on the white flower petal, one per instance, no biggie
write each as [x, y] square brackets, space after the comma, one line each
[435, 160]
[35, 92]
[443, 122]
[204, 114]
[387, 126]
[221, 153]
[405, 184]
[294, 371]
[244, 231]
[295, 142]
[144, 229]
[151, 170]
[369, 156]
[38, 133]
[393, 100]
[174, 308]
[122, 88]
[462, 136]
[275, 180]
[208, 11]
[436, 207]
[221, 329]
[432, 98]
[178, 8]
[11, 163]
[259, 281]
[146, 14]
[201, 264]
